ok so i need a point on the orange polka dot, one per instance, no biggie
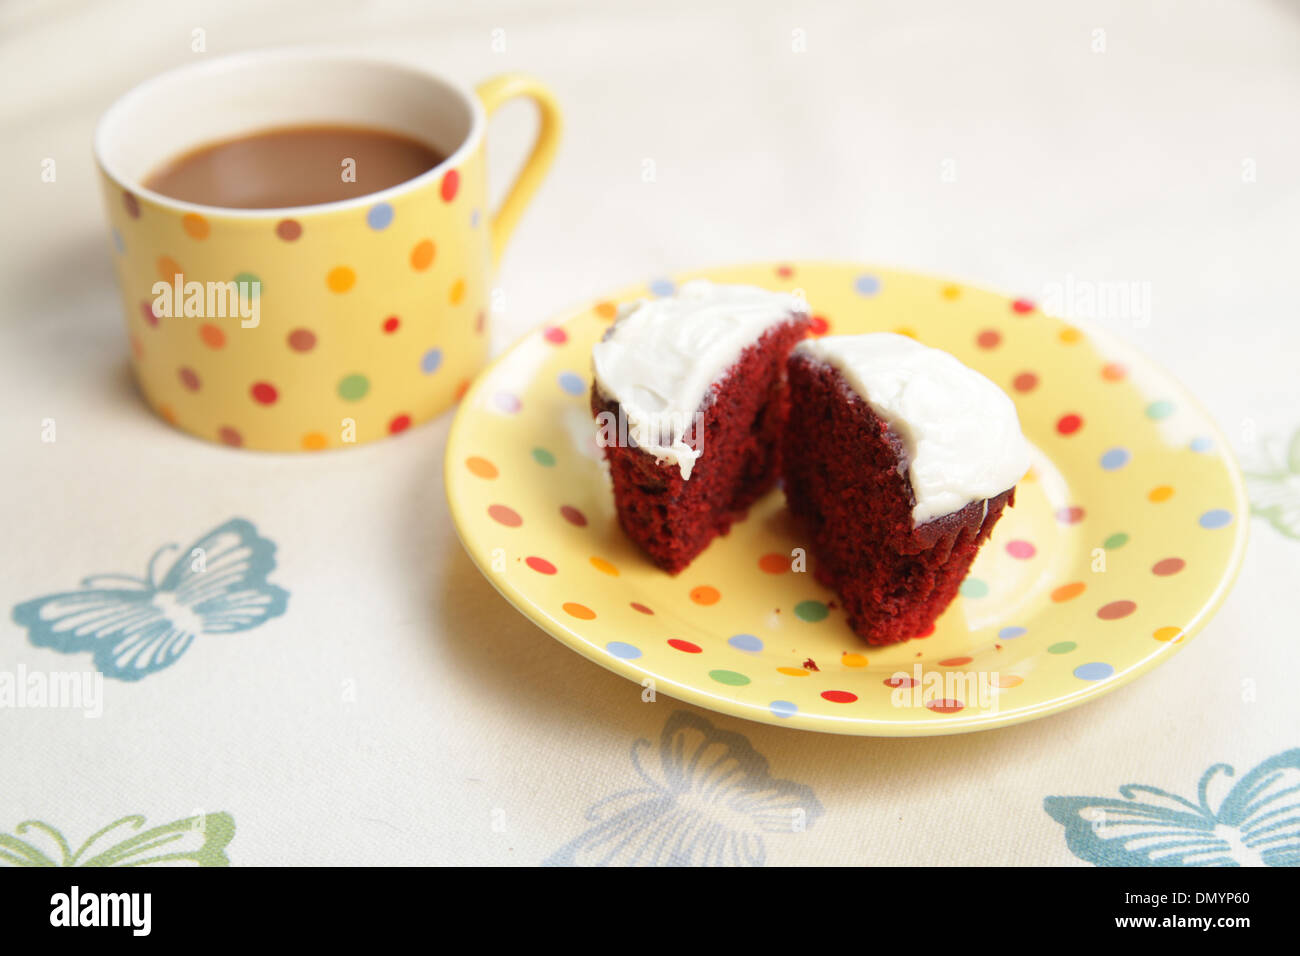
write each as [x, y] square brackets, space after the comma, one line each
[606, 310]
[774, 563]
[168, 268]
[341, 279]
[705, 595]
[1008, 680]
[168, 415]
[1172, 634]
[1113, 372]
[792, 671]
[457, 292]
[849, 659]
[580, 611]
[1067, 592]
[955, 662]
[951, 292]
[604, 567]
[422, 255]
[212, 336]
[1070, 336]
[195, 226]
[461, 389]
[481, 467]
[1160, 493]
[136, 348]
[314, 441]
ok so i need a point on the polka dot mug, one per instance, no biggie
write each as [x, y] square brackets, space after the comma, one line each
[318, 326]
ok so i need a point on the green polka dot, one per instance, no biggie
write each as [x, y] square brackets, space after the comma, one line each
[729, 677]
[1160, 409]
[1116, 540]
[254, 290]
[974, 587]
[354, 387]
[1064, 647]
[543, 457]
[811, 611]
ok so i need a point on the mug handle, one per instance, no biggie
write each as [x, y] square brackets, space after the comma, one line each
[493, 93]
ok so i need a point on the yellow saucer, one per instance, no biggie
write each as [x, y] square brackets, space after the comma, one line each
[1125, 537]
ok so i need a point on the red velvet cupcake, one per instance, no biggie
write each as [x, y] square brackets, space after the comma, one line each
[690, 399]
[899, 460]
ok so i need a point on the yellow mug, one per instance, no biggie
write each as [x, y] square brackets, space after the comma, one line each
[318, 326]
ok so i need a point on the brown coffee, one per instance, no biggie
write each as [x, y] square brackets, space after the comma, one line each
[293, 166]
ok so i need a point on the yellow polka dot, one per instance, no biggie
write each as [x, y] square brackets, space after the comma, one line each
[340, 279]
[195, 226]
[422, 255]
[793, 671]
[1173, 634]
[1070, 336]
[212, 336]
[1030, 475]
[910, 333]
[481, 467]
[604, 567]
[580, 611]
[1161, 493]
[314, 441]
[168, 268]
[951, 292]
[606, 310]
[457, 292]
[705, 595]
[853, 660]
[1067, 592]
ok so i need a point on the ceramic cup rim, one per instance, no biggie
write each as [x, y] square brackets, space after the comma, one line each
[119, 113]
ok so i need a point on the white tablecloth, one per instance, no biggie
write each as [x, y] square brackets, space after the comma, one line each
[402, 712]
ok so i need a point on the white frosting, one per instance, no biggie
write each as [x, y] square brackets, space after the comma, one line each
[662, 356]
[960, 432]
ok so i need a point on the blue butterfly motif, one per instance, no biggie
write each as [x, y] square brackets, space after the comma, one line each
[1252, 822]
[135, 626]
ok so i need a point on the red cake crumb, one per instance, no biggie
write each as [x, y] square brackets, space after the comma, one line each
[673, 519]
[844, 479]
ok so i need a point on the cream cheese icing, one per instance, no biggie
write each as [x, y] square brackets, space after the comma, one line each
[960, 432]
[661, 357]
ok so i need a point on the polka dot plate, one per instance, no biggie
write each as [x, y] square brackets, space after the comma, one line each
[1125, 537]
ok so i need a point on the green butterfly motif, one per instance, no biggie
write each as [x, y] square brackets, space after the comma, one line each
[1274, 483]
[195, 841]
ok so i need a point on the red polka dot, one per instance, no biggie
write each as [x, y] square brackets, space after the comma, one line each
[146, 310]
[302, 340]
[190, 379]
[641, 607]
[1070, 515]
[555, 336]
[1115, 610]
[988, 339]
[927, 632]
[839, 696]
[480, 322]
[897, 682]
[1021, 549]
[945, 706]
[818, 325]
[540, 565]
[1069, 424]
[686, 646]
[132, 205]
[1168, 566]
[1022, 306]
[265, 393]
[399, 424]
[573, 516]
[288, 229]
[230, 437]
[1025, 382]
[785, 272]
[506, 516]
[391, 324]
[450, 185]
[955, 661]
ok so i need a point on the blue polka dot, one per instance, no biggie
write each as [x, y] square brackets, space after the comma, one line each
[1096, 670]
[1115, 458]
[572, 383]
[1216, 518]
[866, 285]
[783, 708]
[1011, 633]
[745, 642]
[1202, 444]
[625, 651]
[1160, 409]
[118, 243]
[474, 219]
[380, 216]
[663, 287]
[431, 361]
